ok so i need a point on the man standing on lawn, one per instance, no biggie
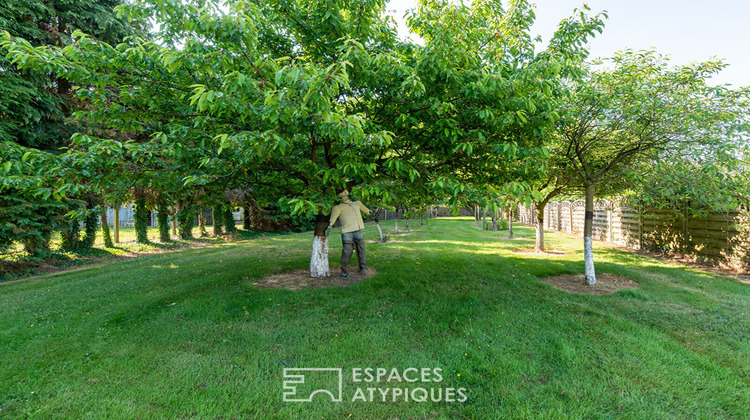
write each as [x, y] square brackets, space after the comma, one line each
[352, 226]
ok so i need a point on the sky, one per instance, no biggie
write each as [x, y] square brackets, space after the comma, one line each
[685, 30]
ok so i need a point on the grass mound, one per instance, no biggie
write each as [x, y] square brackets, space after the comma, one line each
[300, 279]
[605, 283]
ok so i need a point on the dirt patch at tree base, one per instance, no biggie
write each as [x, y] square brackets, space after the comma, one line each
[300, 279]
[605, 283]
[545, 252]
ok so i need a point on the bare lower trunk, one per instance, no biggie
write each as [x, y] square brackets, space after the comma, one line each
[396, 222]
[494, 222]
[588, 243]
[319, 266]
[174, 221]
[380, 231]
[319, 260]
[539, 245]
[510, 222]
[407, 224]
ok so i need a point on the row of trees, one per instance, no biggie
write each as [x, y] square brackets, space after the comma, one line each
[285, 104]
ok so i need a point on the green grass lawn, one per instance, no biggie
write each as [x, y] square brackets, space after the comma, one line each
[186, 335]
[17, 264]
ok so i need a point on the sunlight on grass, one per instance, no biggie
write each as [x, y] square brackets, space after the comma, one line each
[186, 335]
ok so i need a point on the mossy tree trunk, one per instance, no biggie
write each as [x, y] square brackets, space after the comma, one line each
[229, 226]
[69, 235]
[185, 222]
[140, 216]
[162, 220]
[218, 221]
[202, 225]
[90, 228]
[105, 230]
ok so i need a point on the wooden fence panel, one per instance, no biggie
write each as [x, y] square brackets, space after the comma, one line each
[714, 237]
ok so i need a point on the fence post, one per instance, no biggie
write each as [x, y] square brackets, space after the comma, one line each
[116, 223]
[570, 208]
[640, 227]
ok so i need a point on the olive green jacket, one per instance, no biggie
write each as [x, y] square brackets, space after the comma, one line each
[349, 215]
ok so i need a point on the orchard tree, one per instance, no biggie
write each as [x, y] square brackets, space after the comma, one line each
[35, 109]
[638, 109]
[258, 96]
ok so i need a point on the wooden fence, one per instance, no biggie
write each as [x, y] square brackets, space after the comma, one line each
[715, 237]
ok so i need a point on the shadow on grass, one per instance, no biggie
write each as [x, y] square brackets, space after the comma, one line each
[21, 265]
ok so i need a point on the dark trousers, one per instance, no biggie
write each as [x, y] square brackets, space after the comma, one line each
[350, 240]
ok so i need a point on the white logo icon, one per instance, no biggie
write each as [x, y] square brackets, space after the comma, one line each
[296, 376]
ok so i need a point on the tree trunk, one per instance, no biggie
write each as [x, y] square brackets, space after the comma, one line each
[539, 245]
[396, 232]
[246, 224]
[116, 223]
[174, 221]
[494, 221]
[319, 266]
[140, 216]
[218, 217]
[90, 231]
[202, 225]
[407, 224]
[185, 222]
[69, 235]
[510, 222]
[588, 229]
[380, 231]
[162, 220]
[229, 226]
[105, 230]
